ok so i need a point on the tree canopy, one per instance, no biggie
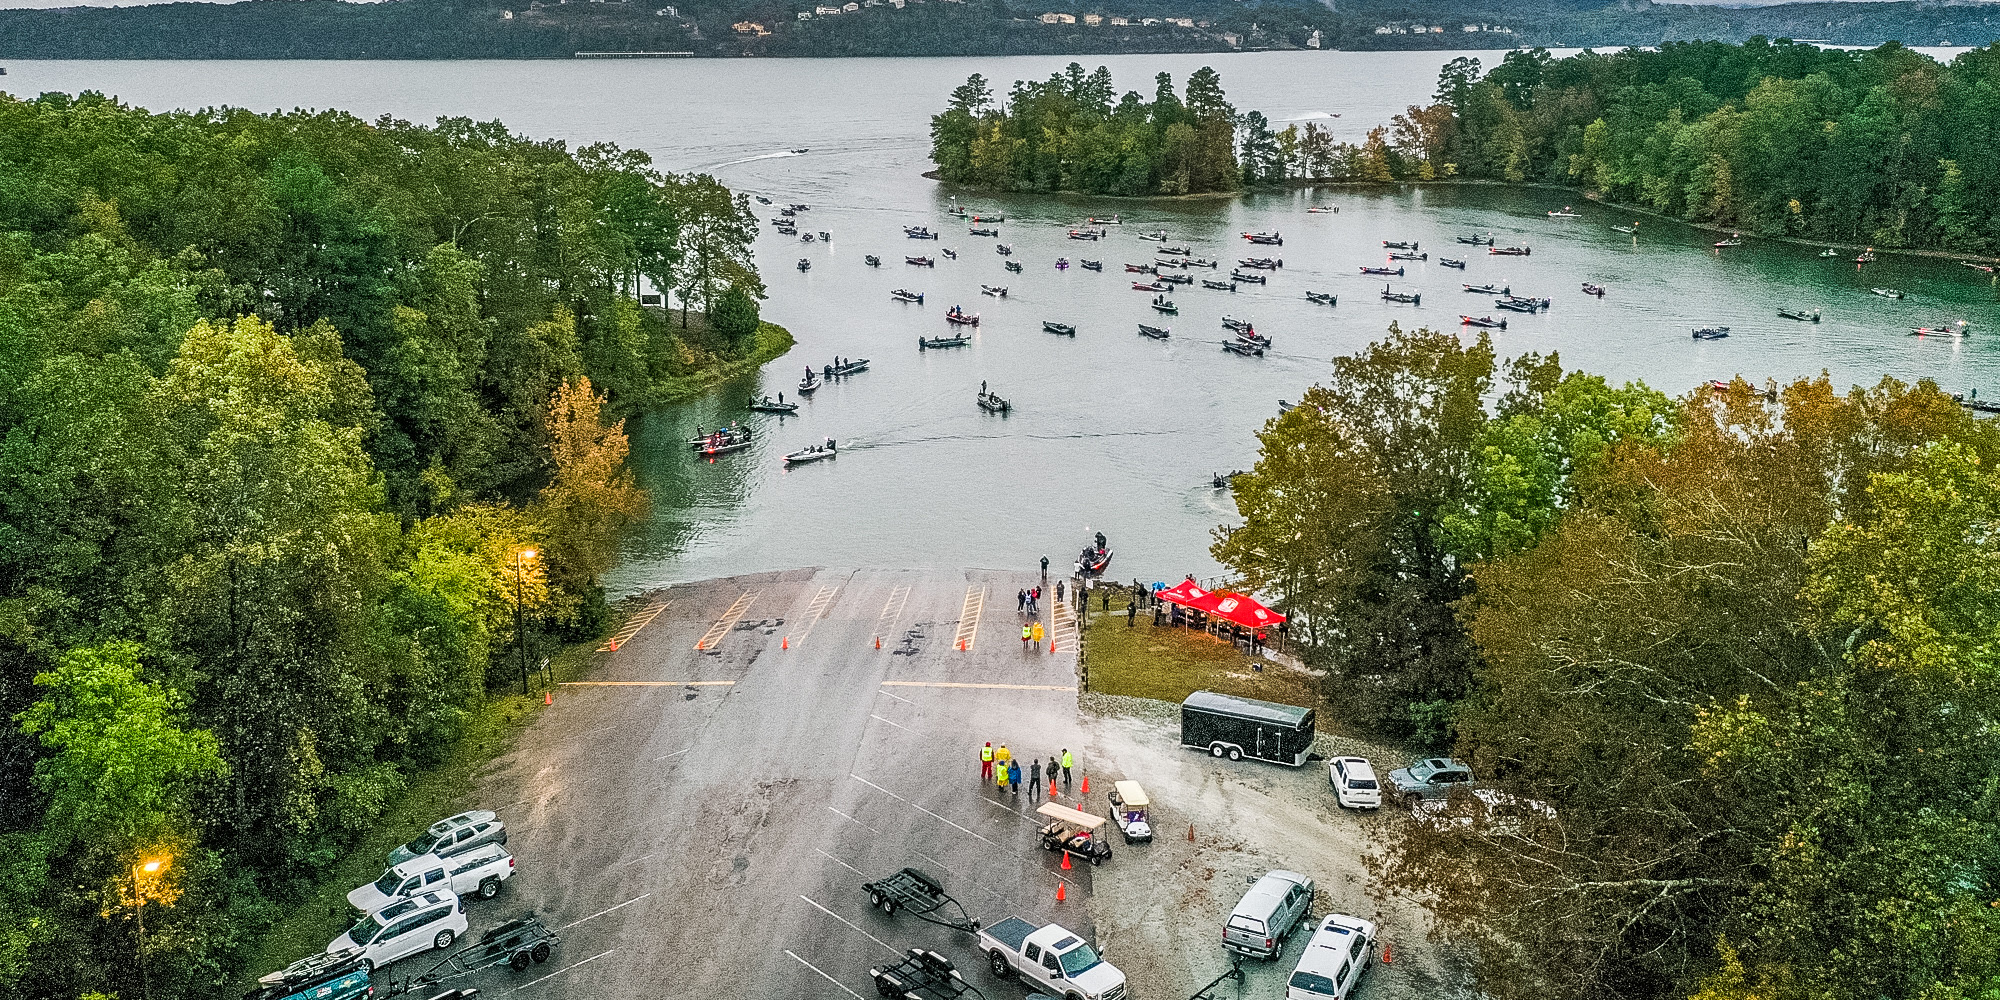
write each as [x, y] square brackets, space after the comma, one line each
[1733, 654]
[284, 402]
[1072, 132]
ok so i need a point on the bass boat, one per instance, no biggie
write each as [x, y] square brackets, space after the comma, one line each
[812, 454]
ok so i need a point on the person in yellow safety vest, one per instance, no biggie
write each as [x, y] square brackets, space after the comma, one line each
[1067, 762]
[1024, 636]
[986, 761]
[1038, 635]
[1000, 771]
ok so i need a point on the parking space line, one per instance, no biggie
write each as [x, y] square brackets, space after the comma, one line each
[892, 610]
[905, 701]
[892, 948]
[968, 619]
[676, 753]
[562, 970]
[841, 863]
[632, 626]
[816, 611]
[884, 721]
[854, 821]
[728, 621]
[600, 913]
[645, 684]
[912, 805]
[992, 687]
[823, 975]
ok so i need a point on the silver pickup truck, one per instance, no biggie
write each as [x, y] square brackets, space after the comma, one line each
[1052, 959]
[477, 872]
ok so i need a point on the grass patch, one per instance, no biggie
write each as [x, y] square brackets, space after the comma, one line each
[1168, 664]
[434, 793]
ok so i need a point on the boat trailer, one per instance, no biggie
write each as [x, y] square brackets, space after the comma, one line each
[922, 896]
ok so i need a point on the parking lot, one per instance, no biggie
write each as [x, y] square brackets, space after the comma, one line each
[698, 822]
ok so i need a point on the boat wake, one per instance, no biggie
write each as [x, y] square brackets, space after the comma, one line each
[1310, 116]
[779, 155]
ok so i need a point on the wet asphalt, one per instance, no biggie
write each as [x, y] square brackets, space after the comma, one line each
[700, 822]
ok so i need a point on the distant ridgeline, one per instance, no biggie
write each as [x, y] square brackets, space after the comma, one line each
[1887, 146]
[1072, 133]
[543, 29]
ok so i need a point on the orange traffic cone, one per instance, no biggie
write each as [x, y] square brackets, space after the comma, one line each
[1052, 788]
[1190, 833]
[878, 642]
[1388, 954]
[1086, 784]
[785, 643]
[614, 645]
[1065, 861]
[1062, 891]
[1052, 644]
[548, 697]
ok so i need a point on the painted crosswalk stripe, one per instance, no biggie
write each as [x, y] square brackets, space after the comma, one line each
[728, 621]
[816, 611]
[632, 626]
[968, 618]
[892, 611]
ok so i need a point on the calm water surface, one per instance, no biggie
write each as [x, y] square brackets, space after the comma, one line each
[1110, 431]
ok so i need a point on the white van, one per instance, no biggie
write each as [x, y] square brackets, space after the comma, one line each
[1335, 958]
[404, 928]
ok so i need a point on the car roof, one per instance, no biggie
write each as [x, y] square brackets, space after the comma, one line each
[1272, 886]
[1330, 943]
[1356, 765]
[411, 904]
[467, 818]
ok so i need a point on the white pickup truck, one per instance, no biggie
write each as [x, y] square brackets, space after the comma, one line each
[477, 872]
[1052, 959]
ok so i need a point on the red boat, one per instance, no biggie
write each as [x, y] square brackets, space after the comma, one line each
[961, 317]
[1482, 322]
[1150, 286]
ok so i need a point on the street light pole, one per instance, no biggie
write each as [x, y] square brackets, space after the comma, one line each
[139, 871]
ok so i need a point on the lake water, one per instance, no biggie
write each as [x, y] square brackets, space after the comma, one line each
[1111, 432]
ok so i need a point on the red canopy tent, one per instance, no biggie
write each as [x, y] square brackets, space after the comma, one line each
[1244, 611]
[1187, 595]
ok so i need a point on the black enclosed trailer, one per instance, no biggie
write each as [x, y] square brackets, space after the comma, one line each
[1228, 726]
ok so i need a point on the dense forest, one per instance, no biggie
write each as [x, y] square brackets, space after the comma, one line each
[296, 411]
[1885, 147]
[1072, 132]
[1739, 646]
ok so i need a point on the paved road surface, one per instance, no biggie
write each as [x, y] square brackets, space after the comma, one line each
[701, 821]
[698, 822]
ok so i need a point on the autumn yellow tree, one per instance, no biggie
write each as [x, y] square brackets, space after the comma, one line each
[591, 496]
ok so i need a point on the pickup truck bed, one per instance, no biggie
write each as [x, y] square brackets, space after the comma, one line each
[1011, 932]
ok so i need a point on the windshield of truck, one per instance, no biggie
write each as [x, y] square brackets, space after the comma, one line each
[1078, 959]
[1313, 982]
[386, 885]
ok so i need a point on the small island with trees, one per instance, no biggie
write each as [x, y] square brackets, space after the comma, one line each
[1072, 132]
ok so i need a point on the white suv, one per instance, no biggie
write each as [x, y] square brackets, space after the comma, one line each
[1335, 958]
[405, 927]
[1354, 783]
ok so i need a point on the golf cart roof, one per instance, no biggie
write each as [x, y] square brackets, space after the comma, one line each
[1129, 793]
[1068, 815]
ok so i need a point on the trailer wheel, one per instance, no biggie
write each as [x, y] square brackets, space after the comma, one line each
[520, 960]
[875, 898]
[998, 960]
[541, 952]
[888, 906]
[1216, 750]
[1235, 753]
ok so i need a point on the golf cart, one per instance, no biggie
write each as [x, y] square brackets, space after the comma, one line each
[1128, 810]
[1074, 832]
